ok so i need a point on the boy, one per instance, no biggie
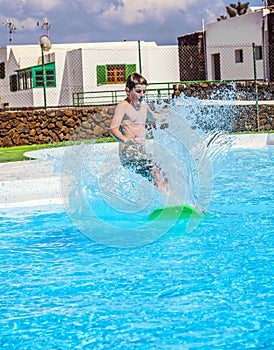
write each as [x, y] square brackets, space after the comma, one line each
[128, 126]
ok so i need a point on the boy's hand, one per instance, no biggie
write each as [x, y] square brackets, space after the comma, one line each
[163, 125]
[163, 122]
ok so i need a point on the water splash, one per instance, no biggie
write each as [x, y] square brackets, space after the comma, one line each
[111, 204]
[198, 135]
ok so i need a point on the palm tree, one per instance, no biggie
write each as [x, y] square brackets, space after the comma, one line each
[234, 10]
[240, 9]
[231, 12]
[221, 17]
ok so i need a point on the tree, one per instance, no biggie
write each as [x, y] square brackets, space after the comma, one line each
[221, 17]
[234, 10]
[240, 9]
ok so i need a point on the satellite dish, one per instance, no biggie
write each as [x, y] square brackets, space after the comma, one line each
[45, 42]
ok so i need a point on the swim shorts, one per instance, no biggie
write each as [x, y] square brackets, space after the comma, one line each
[135, 158]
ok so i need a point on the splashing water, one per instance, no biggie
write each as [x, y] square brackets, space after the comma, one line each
[197, 135]
[110, 204]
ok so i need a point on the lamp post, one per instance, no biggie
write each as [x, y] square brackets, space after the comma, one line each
[45, 45]
[140, 57]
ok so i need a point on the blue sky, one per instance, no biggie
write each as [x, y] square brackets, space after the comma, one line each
[74, 21]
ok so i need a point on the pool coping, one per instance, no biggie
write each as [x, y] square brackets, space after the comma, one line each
[36, 182]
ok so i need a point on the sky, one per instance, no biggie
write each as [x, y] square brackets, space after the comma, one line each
[79, 21]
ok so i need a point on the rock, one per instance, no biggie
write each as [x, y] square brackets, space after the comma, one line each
[32, 132]
[59, 124]
[70, 122]
[7, 141]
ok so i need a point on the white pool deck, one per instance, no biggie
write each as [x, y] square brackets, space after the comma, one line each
[37, 182]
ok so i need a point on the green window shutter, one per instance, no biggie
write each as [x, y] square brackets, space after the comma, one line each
[130, 68]
[38, 79]
[101, 74]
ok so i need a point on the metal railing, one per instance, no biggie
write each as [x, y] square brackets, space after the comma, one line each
[155, 92]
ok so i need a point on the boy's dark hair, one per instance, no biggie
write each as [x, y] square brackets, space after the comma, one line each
[135, 79]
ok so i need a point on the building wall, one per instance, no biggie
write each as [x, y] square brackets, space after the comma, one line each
[226, 36]
[93, 57]
[3, 58]
[192, 57]
[17, 98]
[160, 64]
[76, 69]
[270, 51]
[72, 77]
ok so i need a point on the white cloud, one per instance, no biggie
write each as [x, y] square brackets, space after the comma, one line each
[43, 5]
[110, 20]
[142, 11]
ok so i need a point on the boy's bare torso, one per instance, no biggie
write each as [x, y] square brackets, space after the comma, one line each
[133, 123]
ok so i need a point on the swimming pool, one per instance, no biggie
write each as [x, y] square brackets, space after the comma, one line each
[210, 289]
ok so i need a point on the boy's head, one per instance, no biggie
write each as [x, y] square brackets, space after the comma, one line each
[135, 79]
[136, 87]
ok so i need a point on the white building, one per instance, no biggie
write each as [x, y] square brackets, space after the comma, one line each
[229, 46]
[78, 68]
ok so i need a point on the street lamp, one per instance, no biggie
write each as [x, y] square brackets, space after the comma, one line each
[45, 45]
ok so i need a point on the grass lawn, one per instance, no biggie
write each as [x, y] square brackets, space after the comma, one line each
[15, 154]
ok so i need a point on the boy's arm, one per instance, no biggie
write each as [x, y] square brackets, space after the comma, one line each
[116, 123]
[153, 117]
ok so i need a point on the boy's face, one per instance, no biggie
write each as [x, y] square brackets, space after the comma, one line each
[137, 94]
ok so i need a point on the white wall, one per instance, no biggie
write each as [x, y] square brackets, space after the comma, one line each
[3, 82]
[15, 98]
[94, 56]
[161, 64]
[72, 77]
[228, 35]
[68, 68]
[158, 63]
[76, 64]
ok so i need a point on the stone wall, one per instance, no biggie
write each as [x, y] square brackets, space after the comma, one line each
[245, 117]
[57, 125]
[225, 90]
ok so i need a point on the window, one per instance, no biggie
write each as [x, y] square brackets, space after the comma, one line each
[50, 77]
[2, 70]
[259, 52]
[25, 80]
[39, 78]
[13, 82]
[239, 56]
[114, 73]
[216, 66]
[33, 77]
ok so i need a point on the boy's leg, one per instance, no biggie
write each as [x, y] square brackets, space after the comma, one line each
[159, 178]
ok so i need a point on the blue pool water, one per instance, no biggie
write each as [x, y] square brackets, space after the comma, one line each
[208, 289]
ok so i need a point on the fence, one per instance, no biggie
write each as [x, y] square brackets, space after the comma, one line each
[155, 92]
[95, 74]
